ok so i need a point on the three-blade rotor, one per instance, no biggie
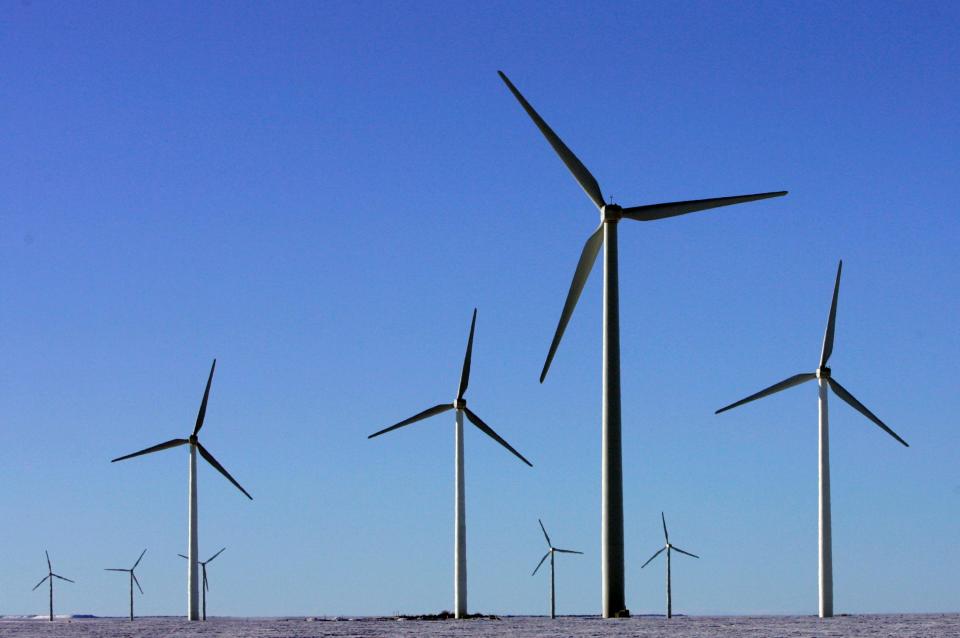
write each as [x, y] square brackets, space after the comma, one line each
[822, 372]
[459, 404]
[50, 575]
[193, 440]
[133, 575]
[609, 212]
[552, 549]
[667, 547]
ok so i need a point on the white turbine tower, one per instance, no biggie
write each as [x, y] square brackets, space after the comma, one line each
[133, 579]
[193, 576]
[611, 533]
[50, 576]
[205, 585]
[824, 380]
[460, 520]
[550, 552]
[668, 548]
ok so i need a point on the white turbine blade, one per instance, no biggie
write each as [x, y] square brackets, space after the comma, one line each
[651, 212]
[486, 429]
[62, 577]
[566, 551]
[796, 379]
[587, 181]
[587, 258]
[437, 409]
[545, 535]
[677, 549]
[212, 461]
[465, 372]
[136, 581]
[203, 404]
[659, 551]
[156, 448]
[41, 582]
[862, 409]
[138, 560]
[533, 574]
[214, 556]
[831, 321]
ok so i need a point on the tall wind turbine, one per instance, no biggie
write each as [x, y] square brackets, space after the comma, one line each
[206, 585]
[460, 518]
[50, 576]
[669, 548]
[824, 379]
[133, 579]
[611, 534]
[550, 552]
[193, 580]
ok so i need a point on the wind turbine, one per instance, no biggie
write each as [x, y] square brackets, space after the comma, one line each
[133, 579]
[824, 379]
[193, 581]
[50, 576]
[668, 547]
[550, 552]
[614, 602]
[206, 585]
[460, 519]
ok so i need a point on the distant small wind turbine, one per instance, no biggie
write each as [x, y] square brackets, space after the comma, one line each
[611, 472]
[668, 547]
[550, 553]
[824, 379]
[50, 576]
[460, 524]
[193, 576]
[133, 579]
[206, 585]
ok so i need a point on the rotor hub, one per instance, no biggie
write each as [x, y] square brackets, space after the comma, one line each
[611, 213]
[460, 404]
[193, 439]
[823, 372]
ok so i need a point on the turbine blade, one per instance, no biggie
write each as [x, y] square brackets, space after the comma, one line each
[651, 212]
[545, 535]
[587, 258]
[49, 566]
[437, 409]
[206, 584]
[138, 560]
[41, 582]
[862, 409]
[533, 574]
[156, 448]
[62, 578]
[587, 181]
[214, 556]
[796, 379]
[486, 429]
[566, 551]
[115, 569]
[659, 551]
[465, 372]
[666, 536]
[182, 556]
[831, 321]
[203, 404]
[136, 581]
[212, 461]
[677, 549]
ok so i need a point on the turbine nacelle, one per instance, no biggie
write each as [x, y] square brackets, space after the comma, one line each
[611, 213]
[460, 404]
[823, 372]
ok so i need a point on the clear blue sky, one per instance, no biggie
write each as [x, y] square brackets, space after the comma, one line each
[319, 193]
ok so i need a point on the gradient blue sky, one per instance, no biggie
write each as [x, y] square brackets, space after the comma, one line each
[319, 193]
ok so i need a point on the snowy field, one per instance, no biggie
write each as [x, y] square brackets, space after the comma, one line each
[888, 626]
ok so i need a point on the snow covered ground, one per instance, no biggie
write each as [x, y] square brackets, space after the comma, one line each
[900, 626]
